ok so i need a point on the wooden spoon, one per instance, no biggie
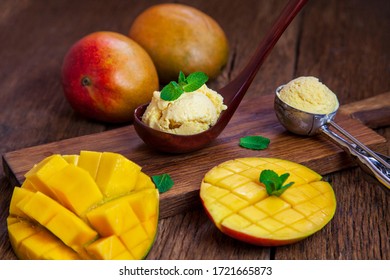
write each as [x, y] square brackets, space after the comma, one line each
[232, 93]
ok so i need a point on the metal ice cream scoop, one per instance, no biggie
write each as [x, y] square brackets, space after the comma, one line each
[304, 123]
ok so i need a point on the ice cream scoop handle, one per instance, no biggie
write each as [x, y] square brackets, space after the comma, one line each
[357, 144]
[372, 162]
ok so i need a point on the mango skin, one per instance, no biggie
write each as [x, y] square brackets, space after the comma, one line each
[42, 210]
[239, 206]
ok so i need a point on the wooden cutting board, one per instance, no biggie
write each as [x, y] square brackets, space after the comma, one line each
[255, 116]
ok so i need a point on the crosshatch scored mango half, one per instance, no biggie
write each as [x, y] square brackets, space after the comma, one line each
[88, 206]
[240, 207]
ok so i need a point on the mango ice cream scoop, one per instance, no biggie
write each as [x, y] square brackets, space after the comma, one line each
[310, 95]
[192, 113]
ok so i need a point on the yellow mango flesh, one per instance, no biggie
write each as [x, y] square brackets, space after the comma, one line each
[72, 159]
[109, 248]
[35, 242]
[240, 206]
[116, 174]
[41, 172]
[89, 161]
[81, 191]
[60, 211]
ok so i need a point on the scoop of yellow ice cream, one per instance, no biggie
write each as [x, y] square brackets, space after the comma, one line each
[192, 113]
[310, 95]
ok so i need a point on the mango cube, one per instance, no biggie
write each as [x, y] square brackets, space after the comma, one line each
[19, 195]
[143, 203]
[108, 248]
[63, 223]
[113, 218]
[27, 184]
[89, 161]
[35, 246]
[74, 188]
[19, 231]
[144, 182]
[34, 242]
[42, 171]
[116, 174]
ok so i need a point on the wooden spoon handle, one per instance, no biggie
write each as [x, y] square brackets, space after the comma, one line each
[236, 89]
[374, 112]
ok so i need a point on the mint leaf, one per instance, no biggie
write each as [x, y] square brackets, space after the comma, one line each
[195, 81]
[283, 177]
[273, 182]
[182, 78]
[254, 142]
[174, 90]
[171, 91]
[163, 182]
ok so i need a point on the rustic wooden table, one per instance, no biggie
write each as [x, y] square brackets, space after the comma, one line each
[344, 43]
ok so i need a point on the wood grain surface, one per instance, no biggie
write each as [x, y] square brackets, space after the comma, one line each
[344, 43]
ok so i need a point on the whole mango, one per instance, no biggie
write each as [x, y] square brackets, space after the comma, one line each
[106, 75]
[181, 38]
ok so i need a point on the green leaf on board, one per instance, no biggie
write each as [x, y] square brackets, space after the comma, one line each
[163, 182]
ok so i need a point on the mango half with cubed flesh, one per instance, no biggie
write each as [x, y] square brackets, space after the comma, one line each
[88, 206]
[240, 206]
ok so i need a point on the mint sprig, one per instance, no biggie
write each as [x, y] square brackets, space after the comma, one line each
[192, 82]
[273, 182]
[254, 142]
[163, 182]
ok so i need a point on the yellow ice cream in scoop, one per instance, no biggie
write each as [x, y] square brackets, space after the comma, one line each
[192, 113]
[310, 95]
